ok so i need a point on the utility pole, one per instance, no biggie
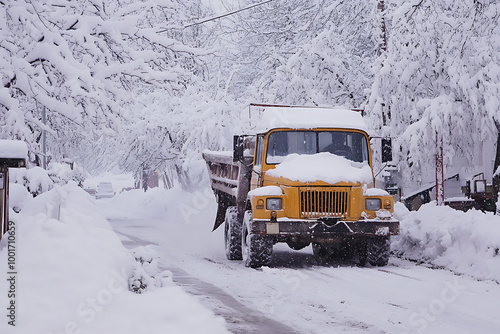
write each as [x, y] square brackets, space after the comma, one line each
[496, 170]
[44, 137]
[383, 36]
[14, 153]
[439, 172]
[382, 48]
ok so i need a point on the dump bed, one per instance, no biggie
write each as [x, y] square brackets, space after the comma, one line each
[230, 180]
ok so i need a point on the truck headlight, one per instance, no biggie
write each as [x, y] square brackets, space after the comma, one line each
[387, 204]
[273, 204]
[373, 204]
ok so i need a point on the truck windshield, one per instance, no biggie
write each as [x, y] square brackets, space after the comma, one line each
[349, 144]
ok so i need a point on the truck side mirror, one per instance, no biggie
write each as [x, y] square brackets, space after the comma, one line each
[237, 148]
[386, 150]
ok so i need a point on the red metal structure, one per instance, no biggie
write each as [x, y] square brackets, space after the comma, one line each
[14, 157]
[4, 202]
[383, 36]
[439, 176]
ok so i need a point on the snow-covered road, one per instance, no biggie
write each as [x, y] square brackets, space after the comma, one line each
[295, 294]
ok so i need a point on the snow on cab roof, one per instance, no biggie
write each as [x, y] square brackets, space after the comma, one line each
[13, 149]
[271, 117]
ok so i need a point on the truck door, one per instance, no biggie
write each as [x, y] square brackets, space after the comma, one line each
[257, 165]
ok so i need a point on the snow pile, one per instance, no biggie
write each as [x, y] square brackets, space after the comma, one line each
[38, 180]
[266, 191]
[464, 242]
[74, 275]
[179, 221]
[148, 275]
[324, 166]
[139, 204]
[18, 196]
[35, 179]
[62, 173]
[374, 192]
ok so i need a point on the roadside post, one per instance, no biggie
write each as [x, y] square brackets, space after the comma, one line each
[13, 154]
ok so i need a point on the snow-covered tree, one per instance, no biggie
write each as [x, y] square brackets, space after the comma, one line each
[332, 66]
[82, 62]
[152, 83]
[170, 133]
[296, 52]
[439, 81]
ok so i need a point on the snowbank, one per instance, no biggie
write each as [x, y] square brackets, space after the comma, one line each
[18, 196]
[62, 173]
[139, 204]
[38, 180]
[325, 167]
[189, 216]
[35, 179]
[466, 243]
[74, 275]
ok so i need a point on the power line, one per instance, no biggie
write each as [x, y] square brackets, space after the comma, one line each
[215, 17]
[228, 14]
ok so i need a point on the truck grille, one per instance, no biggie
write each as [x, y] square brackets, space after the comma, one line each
[321, 202]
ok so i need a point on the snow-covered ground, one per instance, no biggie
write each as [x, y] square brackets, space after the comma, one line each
[74, 274]
[71, 274]
[404, 297]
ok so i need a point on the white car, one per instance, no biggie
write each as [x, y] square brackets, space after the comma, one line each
[104, 190]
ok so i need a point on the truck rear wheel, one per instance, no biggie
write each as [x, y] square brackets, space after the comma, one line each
[374, 251]
[256, 249]
[232, 234]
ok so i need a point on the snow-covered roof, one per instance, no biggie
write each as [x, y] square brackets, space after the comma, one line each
[308, 118]
[13, 149]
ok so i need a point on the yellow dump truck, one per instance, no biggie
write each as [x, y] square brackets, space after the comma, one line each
[305, 177]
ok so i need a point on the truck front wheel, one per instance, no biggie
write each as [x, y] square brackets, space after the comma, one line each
[232, 234]
[375, 251]
[256, 249]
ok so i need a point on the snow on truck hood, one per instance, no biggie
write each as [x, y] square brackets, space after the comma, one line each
[324, 167]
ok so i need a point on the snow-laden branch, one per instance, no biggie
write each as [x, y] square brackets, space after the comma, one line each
[81, 61]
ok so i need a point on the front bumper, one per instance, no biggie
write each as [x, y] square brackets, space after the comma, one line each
[323, 231]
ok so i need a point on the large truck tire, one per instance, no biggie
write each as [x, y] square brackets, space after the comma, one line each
[256, 249]
[232, 234]
[375, 251]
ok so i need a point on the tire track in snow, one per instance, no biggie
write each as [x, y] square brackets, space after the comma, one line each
[239, 317]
